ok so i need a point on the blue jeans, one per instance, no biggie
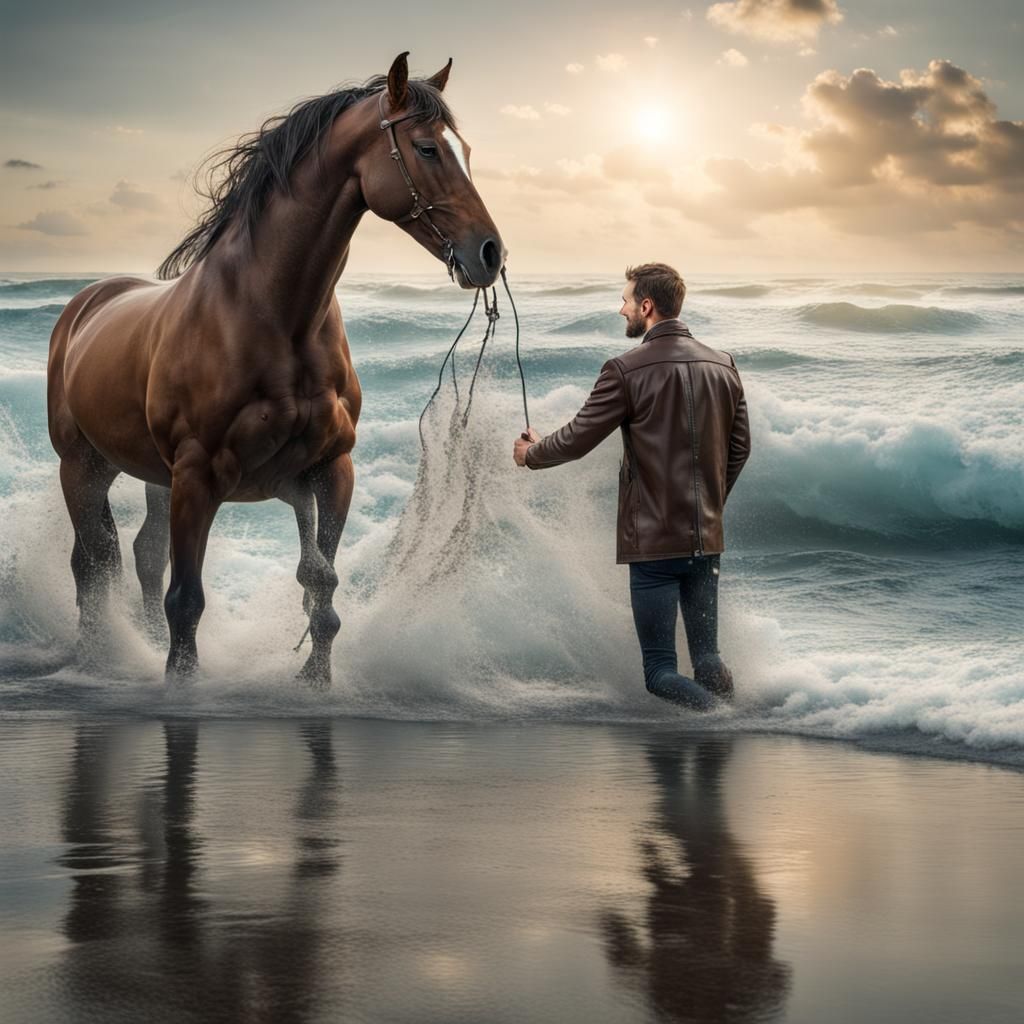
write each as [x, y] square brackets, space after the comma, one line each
[656, 590]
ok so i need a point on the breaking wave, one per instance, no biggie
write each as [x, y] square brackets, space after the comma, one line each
[886, 291]
[744, 291]
[892, 319]
[29, 326]
[1007, 289]
[46, 288]
[910, 477]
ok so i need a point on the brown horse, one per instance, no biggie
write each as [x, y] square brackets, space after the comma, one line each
[234, 382]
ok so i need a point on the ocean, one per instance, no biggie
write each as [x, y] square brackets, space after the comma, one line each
[873, 582]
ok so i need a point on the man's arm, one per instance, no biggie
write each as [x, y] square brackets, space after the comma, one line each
[739, 444]
[603, 411]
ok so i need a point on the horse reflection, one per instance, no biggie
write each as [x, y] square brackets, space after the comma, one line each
[704, 950]
[150, 935]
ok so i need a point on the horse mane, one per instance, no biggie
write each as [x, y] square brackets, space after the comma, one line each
[240, 178]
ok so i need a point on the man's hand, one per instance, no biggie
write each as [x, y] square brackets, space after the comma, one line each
[523, 442]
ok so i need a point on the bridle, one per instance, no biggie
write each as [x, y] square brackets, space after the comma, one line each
[420, 205]
[420, 209]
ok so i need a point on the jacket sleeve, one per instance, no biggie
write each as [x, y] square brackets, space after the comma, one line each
[739, 444]
[604, 410]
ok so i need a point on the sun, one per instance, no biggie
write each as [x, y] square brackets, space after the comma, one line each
[653, 123]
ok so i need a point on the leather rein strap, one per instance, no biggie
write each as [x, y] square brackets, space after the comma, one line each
[420, 205]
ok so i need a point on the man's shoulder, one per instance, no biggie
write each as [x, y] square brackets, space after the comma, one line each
[672, 348]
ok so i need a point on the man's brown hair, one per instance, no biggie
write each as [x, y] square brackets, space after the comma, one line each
[661, 284]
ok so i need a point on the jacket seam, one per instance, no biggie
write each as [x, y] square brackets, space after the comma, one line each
[625, 390]
[659, 362]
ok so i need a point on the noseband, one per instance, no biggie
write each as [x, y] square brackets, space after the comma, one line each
[420, 205]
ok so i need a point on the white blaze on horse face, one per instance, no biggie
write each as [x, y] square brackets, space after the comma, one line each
[458, 147]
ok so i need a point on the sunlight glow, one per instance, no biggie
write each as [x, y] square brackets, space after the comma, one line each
[653, 123]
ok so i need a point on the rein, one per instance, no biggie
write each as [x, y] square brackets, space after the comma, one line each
[491, 310]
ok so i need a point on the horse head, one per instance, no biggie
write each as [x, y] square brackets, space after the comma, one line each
[416, 174]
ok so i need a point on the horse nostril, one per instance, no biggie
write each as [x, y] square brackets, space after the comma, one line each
[490, 256]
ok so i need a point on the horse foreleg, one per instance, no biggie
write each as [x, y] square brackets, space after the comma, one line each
[152, 550]
[85, 478]
[331, 486]
[193, 507]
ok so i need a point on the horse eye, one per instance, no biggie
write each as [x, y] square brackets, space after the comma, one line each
[426, 149]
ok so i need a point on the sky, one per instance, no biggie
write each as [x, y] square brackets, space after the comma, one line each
[780, 136]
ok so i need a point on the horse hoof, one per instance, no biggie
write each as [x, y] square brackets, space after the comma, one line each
[315, 674]
[181, 669]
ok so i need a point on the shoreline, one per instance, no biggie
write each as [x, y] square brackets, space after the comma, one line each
[909, 743]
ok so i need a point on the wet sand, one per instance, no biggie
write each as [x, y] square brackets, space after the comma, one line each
[372, 871]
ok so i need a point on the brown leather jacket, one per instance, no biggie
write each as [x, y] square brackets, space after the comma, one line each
[685, 435]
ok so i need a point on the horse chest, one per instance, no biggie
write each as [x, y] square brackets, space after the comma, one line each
[278, 439]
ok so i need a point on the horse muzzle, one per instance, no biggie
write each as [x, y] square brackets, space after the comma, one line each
[478, 264]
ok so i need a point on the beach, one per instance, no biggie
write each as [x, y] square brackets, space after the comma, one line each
[310, 870]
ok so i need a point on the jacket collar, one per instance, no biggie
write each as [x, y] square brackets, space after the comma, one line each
[663, 327]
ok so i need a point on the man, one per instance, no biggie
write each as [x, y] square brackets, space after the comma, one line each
[685, 435]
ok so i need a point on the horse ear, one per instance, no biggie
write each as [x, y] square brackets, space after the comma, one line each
[398, 81]
[440, 80]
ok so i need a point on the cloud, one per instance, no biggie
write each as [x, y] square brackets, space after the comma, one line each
[523, 113]
[776, 20]
[625, 166]
[938, 126]
[611, 62]
[636, 165]
[733, 59]
[888, 32]
[22, 165]
[588, 169]
[651, 41]
[557, 109]
[921, 154]
[771, 130]
[574, 69]
[55, 222]
[47, 185]
[518, 174]
[129, 197]
[120, 129]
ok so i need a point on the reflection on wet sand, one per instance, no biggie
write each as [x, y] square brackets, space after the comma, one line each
[703, 952]
[147, 939]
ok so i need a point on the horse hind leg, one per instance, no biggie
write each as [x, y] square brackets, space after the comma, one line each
[85, 478]
[152, 552]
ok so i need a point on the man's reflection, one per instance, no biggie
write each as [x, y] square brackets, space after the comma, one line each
[704, 950]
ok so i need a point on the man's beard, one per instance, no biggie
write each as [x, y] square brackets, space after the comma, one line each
[635, 327]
